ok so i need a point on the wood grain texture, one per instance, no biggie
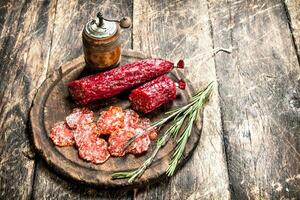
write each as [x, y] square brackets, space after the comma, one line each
[25, 41]
[70, 17]
[175, 30]
[258, 86]
[293, 13]
[259, 90]
[56, 187]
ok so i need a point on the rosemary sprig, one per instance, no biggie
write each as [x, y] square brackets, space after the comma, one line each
[193, 111]
[179, 115]
[138, 172]
[180, 146]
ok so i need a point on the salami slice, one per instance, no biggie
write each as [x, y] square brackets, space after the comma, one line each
[62, 135]
[141, 144]
[111, 120]
[85, 134]
[79, 116]
[95, 152]
[117, 142]
[146, 124]
[131, 119]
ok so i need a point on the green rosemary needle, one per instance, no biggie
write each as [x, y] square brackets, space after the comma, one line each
[179, 115]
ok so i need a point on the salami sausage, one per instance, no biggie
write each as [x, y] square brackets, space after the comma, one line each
[153, 94]
[110, 83]
[145, 124]
[131, 119]
[61, 134]
[95, 152]
[85, 134]
[141, 144]
[79, 116]
[117, 141]
[111, 120]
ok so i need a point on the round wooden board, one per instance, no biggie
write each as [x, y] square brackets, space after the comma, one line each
[52, 104]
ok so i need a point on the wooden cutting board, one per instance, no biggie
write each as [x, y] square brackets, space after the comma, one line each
[52, 104]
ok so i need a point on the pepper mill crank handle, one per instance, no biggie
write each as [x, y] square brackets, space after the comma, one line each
[125, 22]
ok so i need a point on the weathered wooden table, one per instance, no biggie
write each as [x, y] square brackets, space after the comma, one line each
[250, 144]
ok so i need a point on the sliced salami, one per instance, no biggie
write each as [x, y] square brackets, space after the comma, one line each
[85, 134]
[79, 116]
[141, 144]
[111, 120]
[146, 124]
[117, 142]
[131, 119]
[95, 152]
[62, 135]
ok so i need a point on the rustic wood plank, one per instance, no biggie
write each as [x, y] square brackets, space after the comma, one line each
[293, 7]
[174, 30]
[25, 39]
[49, 185]
[259, 89]
[71, 16]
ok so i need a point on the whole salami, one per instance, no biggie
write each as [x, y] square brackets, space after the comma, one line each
[153, 94]
[110, 83]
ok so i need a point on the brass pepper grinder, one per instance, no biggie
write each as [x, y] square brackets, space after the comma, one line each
[101, 42]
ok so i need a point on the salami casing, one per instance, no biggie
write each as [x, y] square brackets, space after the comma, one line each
[153, 94]
[110, 83]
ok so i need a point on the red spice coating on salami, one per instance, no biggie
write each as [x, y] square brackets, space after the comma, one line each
[79, 116]
[95, 152]
[153, 94]
[109, 83]
[62, 135]
[111, 120]
[85, 134]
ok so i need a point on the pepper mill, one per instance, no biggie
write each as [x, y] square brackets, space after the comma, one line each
[101, 42]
